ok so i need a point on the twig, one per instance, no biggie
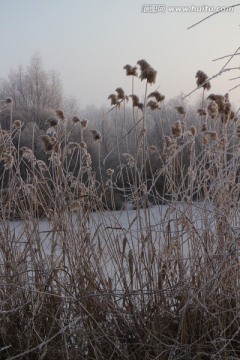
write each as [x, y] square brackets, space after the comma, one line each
[237, 77]
[223, 57]
[5, 348]
[229, 60]
[215, 13]
[235, 87]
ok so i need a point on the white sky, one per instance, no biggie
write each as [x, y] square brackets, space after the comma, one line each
[88, 43]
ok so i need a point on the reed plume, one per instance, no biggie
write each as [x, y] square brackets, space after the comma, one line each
[176, 129]
[121, 94]
[202, 112]
[147, 72]
[42, 165]
[158, 96]
[180, 110]
[153, 105]
[143, 133]
[96, 135]
[9, 160]
[60, 114]
[202, 80]
[193, 130]
[48, 143]
[9, 100]
[84, 123]
[135, 100]
[130, 70]
[110, 172]
[75, 120]
[212, 109]
[52, 121]
[213, 135]
[17, 124]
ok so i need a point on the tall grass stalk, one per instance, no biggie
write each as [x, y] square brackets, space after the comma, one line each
[157, 281]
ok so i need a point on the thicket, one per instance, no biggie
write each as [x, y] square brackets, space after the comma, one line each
[156, 282]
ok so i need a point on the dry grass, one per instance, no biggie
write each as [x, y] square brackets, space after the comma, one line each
[78, 282]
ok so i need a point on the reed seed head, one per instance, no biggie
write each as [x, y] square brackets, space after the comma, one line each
[202, 80]
[143, 133]
[144, 65]
[84, 123]
[96, 135]
[153, 105]
[120, 93]
[3, 134]
[193, 130]
[113, 99]
[204, 140]
[83, 145]
[74, 205]
[27, 153]
[135, 100]
[220, 101]
[87, 159]
[110, 172]
[180, 110]
[147, 72]
[223, 141]
[9, 161]
[60, 114]
[75, 120]
[212, 134]
[9, 100]
[202, 112]
[130, 160]
[213, 109]
[48, 143]
[177, 129]
[52, 121]
[158, 96]
[168, 141]
[17, 124]
[170, 146]
[130, 70]
[232, 115]
[42, 166]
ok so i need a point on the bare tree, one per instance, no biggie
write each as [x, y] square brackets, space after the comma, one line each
[33, 89]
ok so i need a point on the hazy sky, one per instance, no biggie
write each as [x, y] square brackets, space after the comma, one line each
[88, 43]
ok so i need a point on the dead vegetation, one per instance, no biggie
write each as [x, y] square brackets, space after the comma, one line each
[77, 282]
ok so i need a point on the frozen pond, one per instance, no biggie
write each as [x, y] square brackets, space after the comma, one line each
[159, 226]
[109, 243]
[156, 222]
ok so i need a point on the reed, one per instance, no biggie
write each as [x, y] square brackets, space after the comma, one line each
[80, 281]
